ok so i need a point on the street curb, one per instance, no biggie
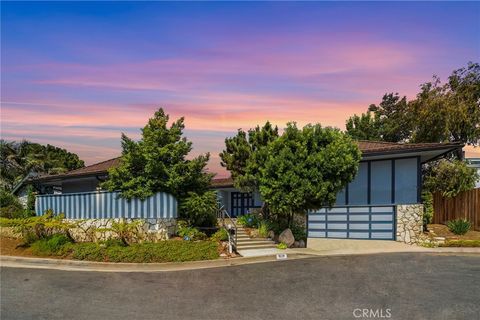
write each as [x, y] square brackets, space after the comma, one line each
[295, 254]
[79, 265]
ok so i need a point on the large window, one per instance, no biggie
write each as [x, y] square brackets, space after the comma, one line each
[381, 182]
[358, 188]
[406, 184]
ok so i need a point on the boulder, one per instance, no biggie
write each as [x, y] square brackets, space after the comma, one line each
[271, 234]
[287, 237]
[296, 244]
[301, 244]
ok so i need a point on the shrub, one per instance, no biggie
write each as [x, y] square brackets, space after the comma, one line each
[220, 235]
[190, 233]
[459, 226]
[249, 220]
[50, 246]
[427, 199]
[11, 207]
[282, 246]
[127, 232]
[461, 243]
[200, 210]
[165, 251]
[263, 228]
[35, 228]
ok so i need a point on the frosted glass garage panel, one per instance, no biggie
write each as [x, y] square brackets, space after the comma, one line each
[358, 188]
[406, 180]
[381, 182]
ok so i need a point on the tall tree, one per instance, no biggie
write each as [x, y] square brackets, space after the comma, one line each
[245, 153]
[363, 127]
[17, 160]
[157, 162]
[306, 168]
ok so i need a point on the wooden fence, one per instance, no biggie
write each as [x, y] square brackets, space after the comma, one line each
[464, 206]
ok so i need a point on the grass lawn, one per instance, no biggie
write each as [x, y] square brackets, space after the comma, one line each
[114, 251]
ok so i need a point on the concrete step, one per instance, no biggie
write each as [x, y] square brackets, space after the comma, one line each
[268, 246]
[260, 240]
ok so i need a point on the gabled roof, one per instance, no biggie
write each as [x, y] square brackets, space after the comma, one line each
[369, 149]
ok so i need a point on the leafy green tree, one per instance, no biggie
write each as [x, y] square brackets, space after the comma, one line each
[157, 162]
[306, 168]
[450, 178]
[200, 210]
[449, 112]
[245, 153]
[363, 127]
[17, 160]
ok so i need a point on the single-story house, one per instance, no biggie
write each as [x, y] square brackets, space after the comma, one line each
[382, 202]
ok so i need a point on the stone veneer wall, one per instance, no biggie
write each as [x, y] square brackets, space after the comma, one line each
[409, 223]
[149, 230]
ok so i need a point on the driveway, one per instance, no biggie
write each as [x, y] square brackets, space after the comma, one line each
[402, 285]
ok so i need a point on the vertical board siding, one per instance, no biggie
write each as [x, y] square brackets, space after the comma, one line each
[466, 205]
[106, 205]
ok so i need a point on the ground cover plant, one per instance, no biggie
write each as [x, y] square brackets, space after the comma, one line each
[459, 226]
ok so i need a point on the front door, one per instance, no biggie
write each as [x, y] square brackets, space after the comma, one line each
[241, 203]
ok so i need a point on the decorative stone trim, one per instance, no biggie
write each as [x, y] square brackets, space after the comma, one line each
[409, 223]
[153, 230]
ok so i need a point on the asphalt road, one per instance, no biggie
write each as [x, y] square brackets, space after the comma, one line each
[402, 286]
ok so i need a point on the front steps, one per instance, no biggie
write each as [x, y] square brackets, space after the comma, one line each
[244, 242]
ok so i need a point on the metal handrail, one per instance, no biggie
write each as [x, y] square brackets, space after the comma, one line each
[232, 239]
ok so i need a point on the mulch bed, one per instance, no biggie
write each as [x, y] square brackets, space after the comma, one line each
[441, 230]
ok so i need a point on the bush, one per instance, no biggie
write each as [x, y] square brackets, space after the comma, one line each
[220, 235]
[461, 243]
[249, 220]
[263, 228]
[282, 246]
[165, 251]
[190, 233]
[459, 226]
[10, 206]
[35, 228]
[200, 210]
[127, 232]
[427, 199]
[50, 246]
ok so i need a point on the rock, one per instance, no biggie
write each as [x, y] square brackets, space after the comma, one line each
[271, 234]
[287, 237]
[301, 244]
[296, 244]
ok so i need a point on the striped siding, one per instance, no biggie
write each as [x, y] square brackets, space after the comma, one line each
[106, 205]
[353, 222]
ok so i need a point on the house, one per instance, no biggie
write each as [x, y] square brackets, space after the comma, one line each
[382, 202]
[474, 163]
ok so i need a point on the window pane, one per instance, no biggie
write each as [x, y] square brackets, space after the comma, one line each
[406, 181]
[381, 182]
[358, 188]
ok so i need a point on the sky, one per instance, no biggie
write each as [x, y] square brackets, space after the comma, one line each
[77, 75]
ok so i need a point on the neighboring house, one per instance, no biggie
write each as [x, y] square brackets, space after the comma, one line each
[381, 203]
[474, 163]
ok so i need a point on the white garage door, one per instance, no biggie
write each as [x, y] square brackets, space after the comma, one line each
[353, 222]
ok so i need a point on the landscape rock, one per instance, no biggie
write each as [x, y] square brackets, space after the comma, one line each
[271, 234]
[287, 237]
[301, 244]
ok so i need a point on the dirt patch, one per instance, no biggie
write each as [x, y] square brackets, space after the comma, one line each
[10, 247]
[440, 230]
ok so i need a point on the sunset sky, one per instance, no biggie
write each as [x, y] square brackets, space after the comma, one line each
[76, 75]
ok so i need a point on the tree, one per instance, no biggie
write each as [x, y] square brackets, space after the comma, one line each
[387, 121]
[17, 160]
[306, 168]
[363, 127]
[450, 178]
[157, 163]
[244, 155]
